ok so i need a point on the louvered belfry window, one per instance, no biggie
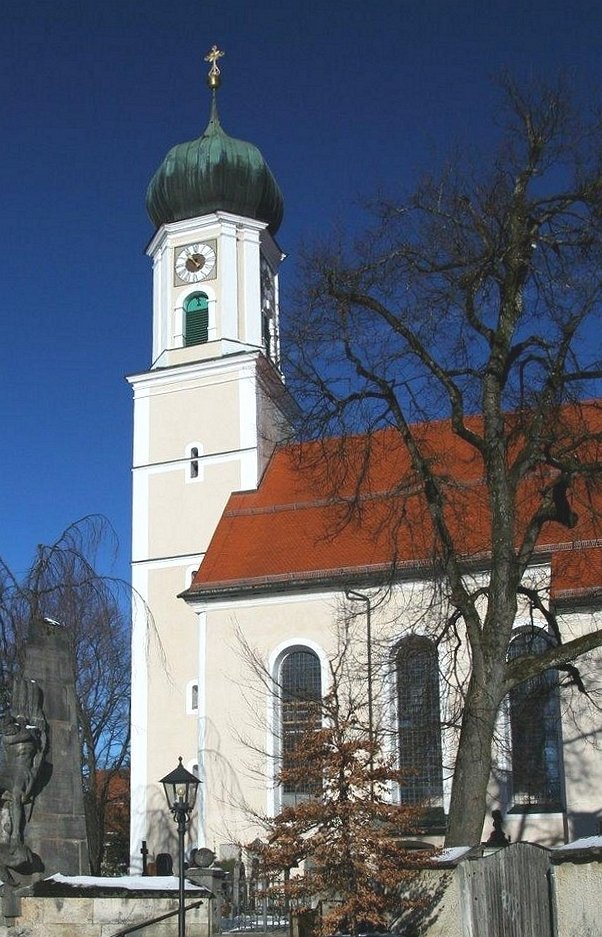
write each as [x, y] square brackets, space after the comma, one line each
[535, 731]
[301, 692]
[196, 319]
[419, 722]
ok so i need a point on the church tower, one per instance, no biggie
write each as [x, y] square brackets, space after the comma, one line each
[207, 415]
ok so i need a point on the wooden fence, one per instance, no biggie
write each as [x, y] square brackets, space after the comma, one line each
[507, 894]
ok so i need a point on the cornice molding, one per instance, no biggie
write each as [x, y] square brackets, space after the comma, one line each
[191, 226]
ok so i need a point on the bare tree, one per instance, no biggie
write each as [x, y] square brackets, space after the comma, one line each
[475, 301]
[63, 584]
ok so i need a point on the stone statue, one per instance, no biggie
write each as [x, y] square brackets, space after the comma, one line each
[23, 743]
[497, 836]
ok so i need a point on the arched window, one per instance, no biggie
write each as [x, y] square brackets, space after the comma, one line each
[192, 697]
[196, 319]
[194, 462]
[268, 302]
[419, 722]
[300, 695]
[535, 731]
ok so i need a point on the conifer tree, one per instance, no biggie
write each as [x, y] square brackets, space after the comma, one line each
[342, 843]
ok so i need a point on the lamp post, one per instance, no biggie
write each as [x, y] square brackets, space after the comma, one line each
[180, 790]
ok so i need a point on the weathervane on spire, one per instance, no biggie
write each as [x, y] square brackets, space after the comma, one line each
[213, 76]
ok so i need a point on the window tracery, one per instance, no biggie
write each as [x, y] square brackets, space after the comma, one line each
[535, 729]
[300, 696]
[419, 721]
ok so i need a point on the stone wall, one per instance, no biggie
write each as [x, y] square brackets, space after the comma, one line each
[577, 889]
[575, 879]
[88, 916]
[573, 886]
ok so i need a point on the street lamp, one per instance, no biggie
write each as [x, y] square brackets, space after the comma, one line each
[180, 790]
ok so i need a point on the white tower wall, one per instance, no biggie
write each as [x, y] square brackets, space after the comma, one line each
[206, 419]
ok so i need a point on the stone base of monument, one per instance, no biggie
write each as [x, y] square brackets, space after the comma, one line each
[212, 879]
[86, 906]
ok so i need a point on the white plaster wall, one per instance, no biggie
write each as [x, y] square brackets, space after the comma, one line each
[204, 406]
[203, 396]
[181, 525]
[236, 732]
[239, 776]
[577, 890]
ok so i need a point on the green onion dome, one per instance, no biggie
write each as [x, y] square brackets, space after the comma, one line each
[214, 173]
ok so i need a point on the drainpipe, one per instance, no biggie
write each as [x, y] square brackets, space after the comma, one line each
[353, 596]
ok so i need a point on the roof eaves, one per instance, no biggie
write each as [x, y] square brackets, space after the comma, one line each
[589, 595]
[304, 580]
[287, 582]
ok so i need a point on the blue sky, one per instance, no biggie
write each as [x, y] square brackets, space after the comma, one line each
[342, 97]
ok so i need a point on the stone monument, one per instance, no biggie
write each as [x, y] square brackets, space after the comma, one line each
[56, 830]
[42, 820]
[23, 746]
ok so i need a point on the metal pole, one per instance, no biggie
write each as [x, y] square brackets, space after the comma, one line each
[181, 818]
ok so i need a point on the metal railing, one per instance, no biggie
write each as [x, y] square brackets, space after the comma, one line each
[153, 920]
[258, 921]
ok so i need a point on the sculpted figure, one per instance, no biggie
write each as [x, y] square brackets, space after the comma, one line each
[23, 742]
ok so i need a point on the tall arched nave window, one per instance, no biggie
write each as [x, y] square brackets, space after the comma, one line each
[300, 682]
[419, 722]
[535, 730]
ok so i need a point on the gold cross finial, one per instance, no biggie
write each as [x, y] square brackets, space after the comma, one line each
[213, 76]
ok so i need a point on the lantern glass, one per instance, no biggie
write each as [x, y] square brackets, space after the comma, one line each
[180, 788]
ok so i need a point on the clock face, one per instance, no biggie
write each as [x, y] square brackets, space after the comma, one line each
[195, 262]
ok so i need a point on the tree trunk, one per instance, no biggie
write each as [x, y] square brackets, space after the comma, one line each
[94, 828]
[473, 766]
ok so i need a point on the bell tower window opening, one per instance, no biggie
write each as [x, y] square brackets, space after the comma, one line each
[194, 462]
[196, 319]
[266, 332]
[268, 304]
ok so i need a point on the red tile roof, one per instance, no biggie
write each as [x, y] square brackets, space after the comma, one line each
[577, 571]
[349, 508]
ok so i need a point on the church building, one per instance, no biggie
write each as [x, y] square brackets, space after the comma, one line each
[244, 573]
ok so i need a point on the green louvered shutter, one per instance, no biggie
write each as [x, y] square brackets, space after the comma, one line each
[196, 311]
